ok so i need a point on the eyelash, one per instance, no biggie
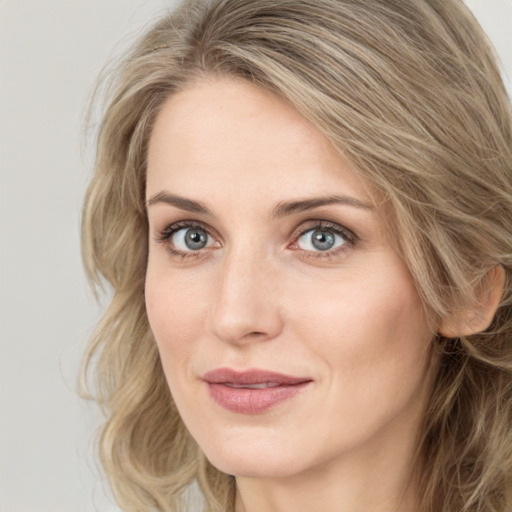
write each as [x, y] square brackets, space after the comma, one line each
[322, 225]
[165, 235]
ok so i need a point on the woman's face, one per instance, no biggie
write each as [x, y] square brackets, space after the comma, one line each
[290, 331]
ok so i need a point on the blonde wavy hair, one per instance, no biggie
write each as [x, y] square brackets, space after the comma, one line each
[411, 95]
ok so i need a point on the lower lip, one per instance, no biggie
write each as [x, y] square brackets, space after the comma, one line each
[253, 401]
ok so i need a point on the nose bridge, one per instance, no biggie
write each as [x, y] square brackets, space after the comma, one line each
[245, 308]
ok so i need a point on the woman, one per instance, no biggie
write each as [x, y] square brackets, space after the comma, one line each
[304, 211]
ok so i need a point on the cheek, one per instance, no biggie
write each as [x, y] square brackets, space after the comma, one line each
[370, 341]
[175, 315]
[392, 365]
[369, 305]
[369, 329]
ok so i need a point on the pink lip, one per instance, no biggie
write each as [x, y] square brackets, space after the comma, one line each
[226, 387]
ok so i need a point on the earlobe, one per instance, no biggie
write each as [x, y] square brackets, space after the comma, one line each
[478, 318]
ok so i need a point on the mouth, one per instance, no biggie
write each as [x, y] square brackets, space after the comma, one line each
[252, 391]
[262, 385]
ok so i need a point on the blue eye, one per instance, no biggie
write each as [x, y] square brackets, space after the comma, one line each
[321, 240]
[191, 239]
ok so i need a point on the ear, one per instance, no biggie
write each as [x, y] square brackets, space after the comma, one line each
[479, 317]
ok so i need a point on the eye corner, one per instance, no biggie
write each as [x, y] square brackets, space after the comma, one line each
[181, 242]
[340, 238]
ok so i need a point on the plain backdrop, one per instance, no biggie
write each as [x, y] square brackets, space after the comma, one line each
[51, 52]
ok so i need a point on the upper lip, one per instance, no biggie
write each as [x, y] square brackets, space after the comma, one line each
[252, 376]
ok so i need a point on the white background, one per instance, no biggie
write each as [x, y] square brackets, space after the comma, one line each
[50, 54]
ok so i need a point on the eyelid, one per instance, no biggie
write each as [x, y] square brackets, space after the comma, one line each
[165, 235]
[324, 225]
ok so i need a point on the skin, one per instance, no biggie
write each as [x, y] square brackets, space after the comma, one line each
[260, 295]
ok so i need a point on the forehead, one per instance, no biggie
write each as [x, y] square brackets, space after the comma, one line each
[224, 131]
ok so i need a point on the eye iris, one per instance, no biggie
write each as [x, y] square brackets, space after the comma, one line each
[196, 239]
[322, 240]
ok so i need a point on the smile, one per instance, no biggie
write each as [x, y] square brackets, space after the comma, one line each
[252, 391]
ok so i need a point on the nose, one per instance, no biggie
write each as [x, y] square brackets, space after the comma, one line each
[246, 307]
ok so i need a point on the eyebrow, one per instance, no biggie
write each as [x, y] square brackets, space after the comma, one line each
[290, 207]
[179, 202]
[281, 210]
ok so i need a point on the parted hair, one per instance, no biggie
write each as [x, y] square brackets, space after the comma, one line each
[410, 93]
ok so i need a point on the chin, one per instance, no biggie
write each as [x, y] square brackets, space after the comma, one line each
[241, 466]
[256, 460]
